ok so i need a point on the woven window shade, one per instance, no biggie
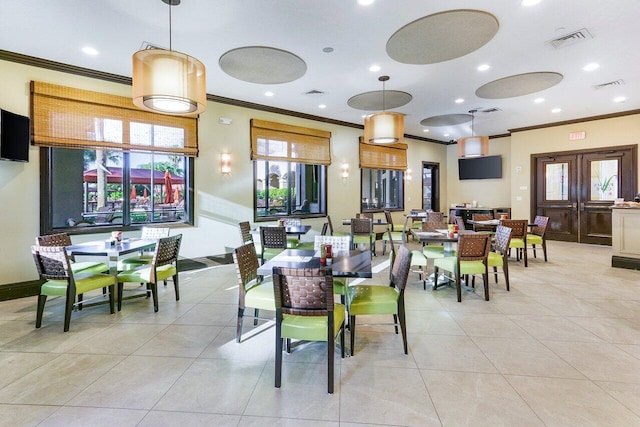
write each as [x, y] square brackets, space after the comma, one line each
[387, 156]
[75, 118]
[276, 141]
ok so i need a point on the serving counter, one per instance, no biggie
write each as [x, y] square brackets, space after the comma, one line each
[625, 237]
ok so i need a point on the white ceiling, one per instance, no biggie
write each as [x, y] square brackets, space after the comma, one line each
[206, 29]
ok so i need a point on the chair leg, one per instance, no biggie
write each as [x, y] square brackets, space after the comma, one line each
[239, 324]
[67, 311]
[524, 254]
[256, 313]
[534, 250]
[544, 249]
[352, 330]
[80, 297]
[403, 324]
[505, 271]
[120, 286]
[331, 346]
[287, 344]
[458, 286]
[342, 329]
[495, 273]
[112, 291]
[485, 279]
[176, 286]
[395, 323]
[384, 247]
[278, 354]
[42, 299]
[154, 294]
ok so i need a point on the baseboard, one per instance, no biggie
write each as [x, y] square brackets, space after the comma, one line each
[624, 262]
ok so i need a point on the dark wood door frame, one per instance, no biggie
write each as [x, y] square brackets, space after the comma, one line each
[435, 184]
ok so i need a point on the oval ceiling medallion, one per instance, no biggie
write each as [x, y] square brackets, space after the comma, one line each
[518, 85]
[372, 101]
[442, 36]
[264, 65]
[446, 120]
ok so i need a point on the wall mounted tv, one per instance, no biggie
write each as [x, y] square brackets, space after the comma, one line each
[14, 137]
[487, 167]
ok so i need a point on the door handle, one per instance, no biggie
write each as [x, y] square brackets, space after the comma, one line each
[574, 205]
[581, 206]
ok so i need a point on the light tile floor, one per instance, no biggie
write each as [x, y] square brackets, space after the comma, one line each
[561, 349]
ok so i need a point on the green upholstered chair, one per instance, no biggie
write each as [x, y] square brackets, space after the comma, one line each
[362, 233]
[471, 258]
[163, 265]
[144, 257]
[63, 239]
[536, 235]
[518, 237]
[293, 241]
[57, 279]
[332, 231]
[273, 240]
[396, 233]
[499, 256]
[247, 237]
[253, 290]
[382, 299]
[305, 310]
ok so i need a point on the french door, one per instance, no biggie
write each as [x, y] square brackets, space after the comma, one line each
[430, 186]
[576, 189]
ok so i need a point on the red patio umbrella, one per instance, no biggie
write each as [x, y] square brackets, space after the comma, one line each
[168, 197]
[134, 195]
[176, 195]
[144, 193]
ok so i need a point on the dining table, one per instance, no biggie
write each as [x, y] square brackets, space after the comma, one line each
[112, 251]
[351, 264]
[291, 230]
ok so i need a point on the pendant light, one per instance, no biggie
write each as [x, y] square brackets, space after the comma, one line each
[385, 127]
[169, 82]
[473, 146]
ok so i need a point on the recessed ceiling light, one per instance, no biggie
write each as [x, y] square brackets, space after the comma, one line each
[446, 134]
[425, 130]
[538, 100]
[556, 110]
[322, 106]
[591, 66]
[364, 115]
[374, 68]
[365, 2]
[459, 101]
[530, 2]
[484, 67]
[619, 99]
[90, 50]
[268, 93]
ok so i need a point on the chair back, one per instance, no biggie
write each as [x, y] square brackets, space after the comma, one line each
[541, 225]
[245, 232]
[325, 228]
[460, 223]
[435, 217]
[273, 237]
[52, 262]
[330, 225]
[155, 232]
[400, 269]
[361, 226]
[502, 239]
[389, 218]
[473, 247]
[303, 291]
[338, 243]
[482, 217]
[167, 250]
[518, 227]
[246, 261]
[368, 215]
[59, 239]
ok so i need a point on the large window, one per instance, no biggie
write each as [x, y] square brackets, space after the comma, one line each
[284, 188]
[106, 164]
[382, 190]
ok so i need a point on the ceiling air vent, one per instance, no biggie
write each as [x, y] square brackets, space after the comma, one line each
[314, 92]
[614, 83]
[489, 110]
[571, 38]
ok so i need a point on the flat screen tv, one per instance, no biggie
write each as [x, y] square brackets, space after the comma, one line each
[488, 167]
[14, 137]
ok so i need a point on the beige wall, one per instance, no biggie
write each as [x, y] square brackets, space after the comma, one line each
[221, 201]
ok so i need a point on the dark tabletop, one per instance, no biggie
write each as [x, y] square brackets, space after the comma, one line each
[354, 264]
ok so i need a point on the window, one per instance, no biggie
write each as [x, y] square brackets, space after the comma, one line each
[106, 164]
[382, 190]
[290, 168]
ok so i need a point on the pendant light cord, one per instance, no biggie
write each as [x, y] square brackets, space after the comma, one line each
[170, 26]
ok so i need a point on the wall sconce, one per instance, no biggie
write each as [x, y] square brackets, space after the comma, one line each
[344, 172]
[407, 175]
[225, 163]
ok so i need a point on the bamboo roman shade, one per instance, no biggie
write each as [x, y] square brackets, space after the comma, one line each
[383, 156]
[276, 141]
[75, 118]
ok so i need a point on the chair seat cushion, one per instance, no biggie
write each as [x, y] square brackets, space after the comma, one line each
[292, 242]
[89, 267]
[516, 243]
[495, 260]
[270, 253]
[84, 283]
[260, 296]
[373, 299]
[143, 274]
[311, 328]
[133, 262]
[362, 238]
[466, 267]
[534, 239]
[418, 258]
[395, 236]
[432, 251]
[339, 286]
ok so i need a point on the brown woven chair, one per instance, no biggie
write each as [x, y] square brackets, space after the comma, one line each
[518, 241]
[247, 237]
[301, 297]
[482, 217]
[253, 290]
[58, 279]
[362, 232]
[63, 239]
[273, 240]
[435, 217]
[471, 258]
[499, 256]
[537, 235]
[394, 233]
